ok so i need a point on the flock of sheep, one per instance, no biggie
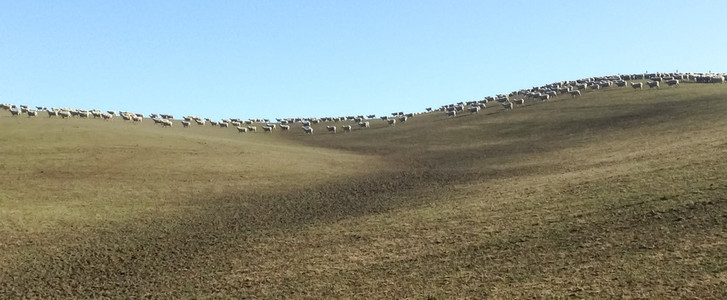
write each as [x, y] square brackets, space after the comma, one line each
[166, 120]
[507, 101]
[577, 87]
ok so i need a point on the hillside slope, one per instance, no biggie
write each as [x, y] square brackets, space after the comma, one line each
[619, 192]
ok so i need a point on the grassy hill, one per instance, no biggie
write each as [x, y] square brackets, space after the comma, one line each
[617, 193]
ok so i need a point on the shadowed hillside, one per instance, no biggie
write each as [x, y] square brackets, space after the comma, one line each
[617, 193]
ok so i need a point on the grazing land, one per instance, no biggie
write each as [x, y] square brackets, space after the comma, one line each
[616, 193]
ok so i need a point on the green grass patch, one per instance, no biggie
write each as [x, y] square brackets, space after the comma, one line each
[617, 193]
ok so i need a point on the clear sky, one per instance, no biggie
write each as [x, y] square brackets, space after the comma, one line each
[277, 59]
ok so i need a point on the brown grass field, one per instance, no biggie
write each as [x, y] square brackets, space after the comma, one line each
[620, 193]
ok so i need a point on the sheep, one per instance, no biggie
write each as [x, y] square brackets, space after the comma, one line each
[364, 124]
[107, 116]
[186, 123]
[672, 82]
[52, 113]
[653, 84]
[637, 85]
[224, 125]
[403, 119]
[32, 113]
[138, 119]
[14, 112]
[452, 113]
[284, 127]
[391, 122]
[307, 130]
[331, 129]
[508, 105]
[199, 122]
[166, 123]
[64, 114]
[241, 129]
[474, 109]
[575, 93]
[716, 79]
[346, 128]
[252, 128]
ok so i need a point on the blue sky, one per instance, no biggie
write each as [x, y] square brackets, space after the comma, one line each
[277, 59]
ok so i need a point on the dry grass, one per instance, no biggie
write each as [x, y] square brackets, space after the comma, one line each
[619, 193]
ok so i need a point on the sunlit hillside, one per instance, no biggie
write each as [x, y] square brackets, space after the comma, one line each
[617, 193]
